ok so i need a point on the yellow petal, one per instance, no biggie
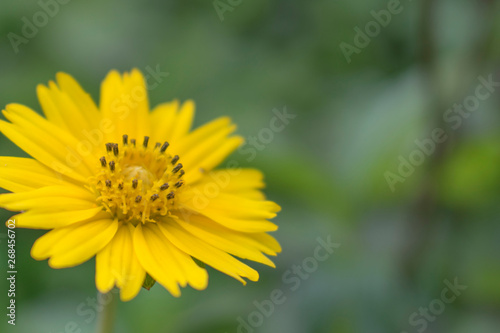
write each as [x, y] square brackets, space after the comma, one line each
[80, 97]
[196, 276]
[165, 263]
[59, 140]
[19, 174]
[72, 245]
[117, 264]
[183, 121]
[231, 205]
[192, 140]
[69, 107]
[49, 220]
[203, 148]
[136, 85]
[196, 170]
[234, 180]
[111, 102]
[252, 194]
[37, 151]
[235, 243]
[242, 182]
[220, 154]
[163, 120]
[50, 198]
[210, 255]
[232, 211]
[156, 258]
[265, 242]
[124, 101]
[51, 145]
[104, 278]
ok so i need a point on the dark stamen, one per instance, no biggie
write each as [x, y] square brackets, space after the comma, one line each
[120, 186]
[132, 141]
[175, 159]
[164, 147]
[134, 183]
[112, 165]
[146, 140]
[157, 145]
[171, 195]
[177, 168]
[164, 187]
[103, 161]
[154, 197]
[179, 183]
[138, 199]
[115, 149]
[109, 147]
[125, 139]
[108, 183]
[181, 173]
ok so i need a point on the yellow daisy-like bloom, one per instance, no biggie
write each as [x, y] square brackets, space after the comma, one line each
[136, 189]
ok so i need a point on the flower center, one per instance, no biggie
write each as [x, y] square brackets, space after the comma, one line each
[138, 184]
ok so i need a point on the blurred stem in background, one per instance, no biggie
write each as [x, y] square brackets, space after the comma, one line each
[424, 206]
[424, 212]
[485, 45]
[106, 319]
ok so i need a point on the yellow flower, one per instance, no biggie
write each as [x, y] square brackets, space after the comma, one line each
[137, 189]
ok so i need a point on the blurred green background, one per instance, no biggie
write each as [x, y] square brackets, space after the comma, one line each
[357, 117]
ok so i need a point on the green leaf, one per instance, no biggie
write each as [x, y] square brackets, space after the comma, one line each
[199, 262]
[149, 282]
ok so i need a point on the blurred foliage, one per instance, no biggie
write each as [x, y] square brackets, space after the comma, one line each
[326, 168]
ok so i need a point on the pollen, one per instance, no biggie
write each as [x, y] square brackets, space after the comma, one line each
[133, 180]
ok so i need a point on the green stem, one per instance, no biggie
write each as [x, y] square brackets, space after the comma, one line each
[106, 318]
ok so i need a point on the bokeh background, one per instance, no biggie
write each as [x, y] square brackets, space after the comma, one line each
[356, 118]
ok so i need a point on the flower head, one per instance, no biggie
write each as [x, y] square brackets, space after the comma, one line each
[137, 189]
